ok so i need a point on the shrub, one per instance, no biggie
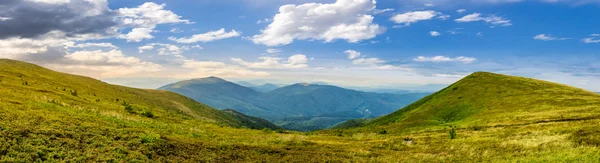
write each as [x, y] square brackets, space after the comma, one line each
[453, 133]
[128, 108]
[74, 93]
[383, 131]
[148, 114]
[149, 138]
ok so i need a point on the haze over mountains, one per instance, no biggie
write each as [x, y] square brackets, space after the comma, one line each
[299, 106]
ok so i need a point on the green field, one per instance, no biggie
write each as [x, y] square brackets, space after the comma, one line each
[56, 117]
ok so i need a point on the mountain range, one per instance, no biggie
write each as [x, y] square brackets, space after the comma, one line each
[301, 106]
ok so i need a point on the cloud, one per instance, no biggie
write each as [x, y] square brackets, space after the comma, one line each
[293, 62]
[406, 19]
[32, 19]
[106, 63]
[167, 49]
[176, 30]
[592, 39]
[379, 11]
[545, 37]
[455, 31]
[141, 49]
[438, 59]
[266, 20]
[210, 68]
[102, 44]
[461, 10]
[144, 18]
[352, 54]
[138, 34]
[273, 51]
[345, 19]
[207, 37]
[434, 33]
[368, 61]
[371, 63]
[494, 20]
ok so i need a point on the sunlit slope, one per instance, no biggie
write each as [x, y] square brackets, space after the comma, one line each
[28, 85]
[488, 99]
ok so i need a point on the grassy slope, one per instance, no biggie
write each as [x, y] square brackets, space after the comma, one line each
[492, 99]
[40, 121]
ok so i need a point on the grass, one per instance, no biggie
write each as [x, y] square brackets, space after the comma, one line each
[498, 119]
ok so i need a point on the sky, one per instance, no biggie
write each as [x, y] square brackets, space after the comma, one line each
[359, 43]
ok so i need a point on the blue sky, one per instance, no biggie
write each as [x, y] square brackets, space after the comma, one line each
[343, 42]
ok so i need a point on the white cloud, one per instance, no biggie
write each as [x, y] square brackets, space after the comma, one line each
[5, 18]
[141, 49]
[461, 10]
[408, 18]
[455, 31]
[545, 37]
[51, 1]
[273, 51]
[176, 30]
[379, 11]
[434, 33]
[345, 19]
[210, 68]
[266, 20]
[294, 61]
[167, 49]
[144, 18]
[102, 44]
[149, 15]
[368, 61]
[207, 37]
[428, 4]
[437, 59]
[352, 54]
[107, 63]
[138, 34]
[591, 40]
[494, 20]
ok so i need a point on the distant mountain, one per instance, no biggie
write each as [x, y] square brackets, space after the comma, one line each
[299, 106]
[222, 94]
[265, 87]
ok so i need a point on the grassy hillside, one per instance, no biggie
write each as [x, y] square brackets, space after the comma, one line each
[493, 99]
[42, 118]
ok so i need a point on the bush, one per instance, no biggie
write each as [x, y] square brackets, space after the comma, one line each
[148, 114]
[453, 133]
[383, 131]
[74, 93]
[128, 108]
[149, 138]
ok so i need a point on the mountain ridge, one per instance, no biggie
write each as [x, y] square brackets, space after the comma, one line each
[300, 106]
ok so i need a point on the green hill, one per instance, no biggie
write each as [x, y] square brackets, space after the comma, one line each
[492, 99]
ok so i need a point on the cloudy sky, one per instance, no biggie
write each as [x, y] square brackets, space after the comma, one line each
[382, 43]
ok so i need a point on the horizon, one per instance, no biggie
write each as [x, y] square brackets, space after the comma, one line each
[359, 43]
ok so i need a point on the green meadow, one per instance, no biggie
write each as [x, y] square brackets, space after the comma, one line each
[48, 116]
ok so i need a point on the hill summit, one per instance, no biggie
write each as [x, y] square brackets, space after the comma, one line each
[490, 99]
